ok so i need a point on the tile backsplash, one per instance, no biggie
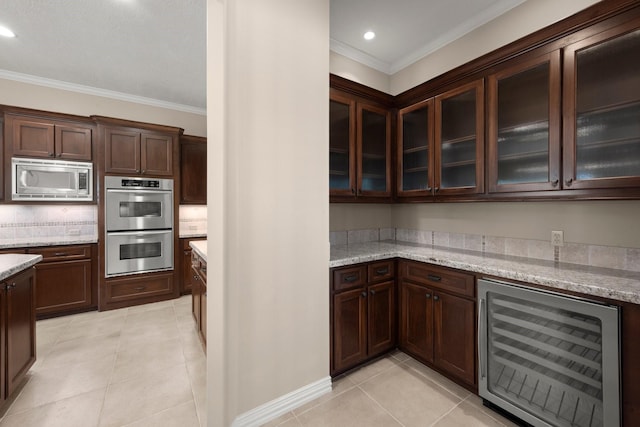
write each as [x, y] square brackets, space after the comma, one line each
[39, 224]
[193, 220]
[575, 253]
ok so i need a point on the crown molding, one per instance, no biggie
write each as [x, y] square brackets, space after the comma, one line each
[359, 56]
[88, 90]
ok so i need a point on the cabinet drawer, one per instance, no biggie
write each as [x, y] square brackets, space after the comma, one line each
[439, 278]
[378, 271]
[126, 289]
[350, 277]
[62, 253]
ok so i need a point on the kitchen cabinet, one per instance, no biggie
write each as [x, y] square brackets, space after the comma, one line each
[186, 284]
[601, 109]
[193, 170]
[359, 148]
[363, 313]
[524, 126]
[199, 296]
[437, 318]
[33, 136]
[124, 291]
[66, 283]
[17, 330]
[441, 144]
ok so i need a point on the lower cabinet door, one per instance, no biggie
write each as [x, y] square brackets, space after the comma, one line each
[381, 318]
[349, 328]
[63, 286]
[203, 314]
[196, 297]
[455, 350]
[21, 320]
[416, 320]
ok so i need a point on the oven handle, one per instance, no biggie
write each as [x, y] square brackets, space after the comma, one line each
[482, 333]
[139, 233]
[138, 191]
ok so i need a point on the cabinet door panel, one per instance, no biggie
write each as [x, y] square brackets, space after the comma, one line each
[455, 346]
[156, 154]
[21, 340]
[63, 286]
[73, 142]
[350, 328]
[602, 110]
[374, 150]
[32, 137]
[193, 171]
[459, 136]
[381, 317]
[524, 126]
[342, 146]
[196, 297]
[122, 151]
[203, 314]
[416, 320]
[3, 344]
[415, 149]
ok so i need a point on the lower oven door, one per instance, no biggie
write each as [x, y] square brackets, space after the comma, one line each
[131, 252]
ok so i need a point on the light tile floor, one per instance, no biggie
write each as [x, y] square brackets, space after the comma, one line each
[144, 366]
[394, 391]
[137, 366]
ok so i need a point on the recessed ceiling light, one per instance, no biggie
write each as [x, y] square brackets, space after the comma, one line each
[4, 31]
[369, 35]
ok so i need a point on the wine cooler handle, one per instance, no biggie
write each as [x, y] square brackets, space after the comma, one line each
[482, 334]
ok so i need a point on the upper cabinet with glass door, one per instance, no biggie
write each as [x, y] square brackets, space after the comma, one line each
[415, 145]
[359, 149]
[602, 110]
[524, 126]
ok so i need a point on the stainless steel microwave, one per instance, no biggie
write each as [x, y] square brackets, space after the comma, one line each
[51, 180]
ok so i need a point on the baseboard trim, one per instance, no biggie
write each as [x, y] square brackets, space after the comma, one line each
[273, 409]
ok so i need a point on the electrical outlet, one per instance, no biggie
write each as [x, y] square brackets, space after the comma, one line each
[557, 238]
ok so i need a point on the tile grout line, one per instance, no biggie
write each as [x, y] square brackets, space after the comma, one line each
[381, 407]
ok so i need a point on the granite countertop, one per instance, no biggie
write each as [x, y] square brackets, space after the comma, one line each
[47, 241]
[200, 247]
[191, 234]
[610, 283]
[11, 264]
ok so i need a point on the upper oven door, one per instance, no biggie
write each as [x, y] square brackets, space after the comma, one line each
[138, 209]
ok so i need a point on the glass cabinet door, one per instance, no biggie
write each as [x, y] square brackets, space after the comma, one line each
[459, 140]
[524, 126]
[415, 145]
[602, 110]
[342, 112]
[374, 149]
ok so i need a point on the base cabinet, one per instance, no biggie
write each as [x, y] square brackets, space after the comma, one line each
[17, 331]
[437, 318]
[363, 314]
[187, 280]
[199, 296]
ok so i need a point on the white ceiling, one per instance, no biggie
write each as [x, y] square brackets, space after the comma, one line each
[153, 51]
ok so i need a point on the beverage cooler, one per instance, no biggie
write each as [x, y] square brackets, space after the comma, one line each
[548, 359]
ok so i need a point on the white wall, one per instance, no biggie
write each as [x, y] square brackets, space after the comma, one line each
[38, 97]
[275, 216]
[357, 72]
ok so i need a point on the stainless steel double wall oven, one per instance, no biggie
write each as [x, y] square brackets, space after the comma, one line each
[139, 225]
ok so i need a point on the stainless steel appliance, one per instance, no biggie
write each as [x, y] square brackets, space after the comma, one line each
[546, 358]
[58, 180]
[139, 225]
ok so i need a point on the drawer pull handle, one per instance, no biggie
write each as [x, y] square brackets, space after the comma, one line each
[10, 286]
[61, 254]
[428, 296]
[140, 288]
[364, 294]
[382, 270]
[434, 278]
[436, 297]
[373, 292]
[350, 278]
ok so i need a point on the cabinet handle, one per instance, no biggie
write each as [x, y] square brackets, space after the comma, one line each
[195, 277]
[429, 188]
[59, 155]
[60, 254]
[373, 292]
[555, 182]
[568, 181]
[204, 269]
[353, 191]
[138, 170]
[187, 252]
[144, 171]
[140, 288]
[436, 297]
[428, 296]
[364, 294]
[436, 189]
[50, 154]
[434, 278]
[382, 271]
[350, 278]
[8, 287]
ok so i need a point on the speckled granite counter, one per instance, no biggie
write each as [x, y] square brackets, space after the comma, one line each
[200, 247]
[11, 264]
[47, 241]
[619, 285]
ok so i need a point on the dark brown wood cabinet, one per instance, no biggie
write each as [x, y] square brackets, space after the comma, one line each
[199, 296]
[66, 282]
[187, 282]
[193, 170]
[359, 147]
[363, 308]
[440, 148]
[132, 152]
[33, 136]
[437, 318]
[18, 320]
